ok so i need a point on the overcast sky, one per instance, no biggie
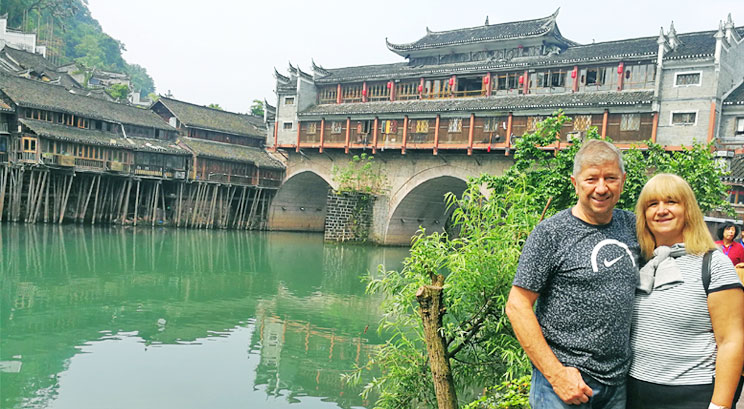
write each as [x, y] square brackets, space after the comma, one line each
[226, 53]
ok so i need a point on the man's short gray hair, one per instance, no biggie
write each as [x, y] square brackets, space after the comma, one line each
[597, 152]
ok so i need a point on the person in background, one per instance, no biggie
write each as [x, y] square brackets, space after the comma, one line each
[729, 246]
[688, 343]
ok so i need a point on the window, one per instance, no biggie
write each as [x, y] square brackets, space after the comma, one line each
[551, 78]
[595, 76]
[582, 122]
[455, 125]
[363, 127]
[684, 79]
[490, 125]
[287, 125]
[532, 122]
[312, 128]
[739, 131]
[288, 100]
[630, 122]
[336, 127]
[29, 145]
[684, 118]
[422, 126]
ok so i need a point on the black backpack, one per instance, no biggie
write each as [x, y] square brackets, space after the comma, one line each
[706, 271]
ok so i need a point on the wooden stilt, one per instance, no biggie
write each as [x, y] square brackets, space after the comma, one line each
[236, 219]
[40, 196]
[211, 210]
[30, 196]
[66, 197]
[162, 197]
[87, 200]
[46, 200]
[95, 202]
[125, 203]
[3, 183]
[136, 202]
[155, 203]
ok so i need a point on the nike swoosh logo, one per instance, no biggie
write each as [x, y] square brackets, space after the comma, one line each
[611, 262]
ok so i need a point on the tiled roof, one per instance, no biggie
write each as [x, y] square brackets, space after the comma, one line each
[737, 170]
[499, 103]
[32, 61]
[4, 107]
[699, 44]
[100, 138]
[736, 97]
[503, 31]
[197, 116]
[34, 94]
[231, 152]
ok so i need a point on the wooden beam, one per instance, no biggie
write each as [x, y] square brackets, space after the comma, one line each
[322, 134]
[436, 136]
[604, 123]
[508, 132]
[405, 135]
[348, 132]
[712, 121]
[297, 149]
[375, 132]
[470, 134]
[654, 127]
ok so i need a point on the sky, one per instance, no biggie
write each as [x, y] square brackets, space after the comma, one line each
[225, 51]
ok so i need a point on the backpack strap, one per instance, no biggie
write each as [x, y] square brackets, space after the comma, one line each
[706, 271]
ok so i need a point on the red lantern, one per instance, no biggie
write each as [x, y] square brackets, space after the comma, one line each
[420, 88]
[521, 79]
[573, 73]
[452, 81]
[620, 68]
[485, 79]
[489, 149]
[390, 84]
[364, 92]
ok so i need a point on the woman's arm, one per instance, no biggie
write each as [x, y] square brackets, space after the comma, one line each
[727, 316]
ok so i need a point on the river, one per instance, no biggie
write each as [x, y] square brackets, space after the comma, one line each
[112, 317]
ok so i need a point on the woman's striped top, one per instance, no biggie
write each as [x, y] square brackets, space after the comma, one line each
[671, 335]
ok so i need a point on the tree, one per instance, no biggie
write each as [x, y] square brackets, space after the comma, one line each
[215, 106]
[119, 92]
[141, 80]
[461, 283]
[257, 107]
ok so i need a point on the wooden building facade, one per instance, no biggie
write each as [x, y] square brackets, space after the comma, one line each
[67, 156]
[475, 89]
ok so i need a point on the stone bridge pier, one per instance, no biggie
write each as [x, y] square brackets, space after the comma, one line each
[417, 184]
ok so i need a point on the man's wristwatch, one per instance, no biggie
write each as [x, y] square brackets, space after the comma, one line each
[714, 406]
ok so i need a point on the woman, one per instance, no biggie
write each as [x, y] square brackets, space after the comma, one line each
[681, 337]
[730, 247]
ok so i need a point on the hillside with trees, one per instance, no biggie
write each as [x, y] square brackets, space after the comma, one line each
[71, 34]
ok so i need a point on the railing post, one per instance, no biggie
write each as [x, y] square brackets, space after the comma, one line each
[654, 127]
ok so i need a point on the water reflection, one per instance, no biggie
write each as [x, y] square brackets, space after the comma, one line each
[220, 318]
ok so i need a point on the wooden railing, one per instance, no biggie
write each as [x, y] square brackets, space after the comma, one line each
[28, 157]
[95, 164]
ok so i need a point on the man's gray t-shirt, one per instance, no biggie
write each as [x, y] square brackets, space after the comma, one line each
[586, 276]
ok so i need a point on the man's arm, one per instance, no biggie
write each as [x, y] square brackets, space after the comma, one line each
[566, 381]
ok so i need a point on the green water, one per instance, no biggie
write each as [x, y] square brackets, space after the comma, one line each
[107, 318]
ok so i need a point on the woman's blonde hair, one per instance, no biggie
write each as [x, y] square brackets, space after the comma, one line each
[665, 186]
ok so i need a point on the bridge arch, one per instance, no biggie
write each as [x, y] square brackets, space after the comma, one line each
[420, 202]
[300, 202]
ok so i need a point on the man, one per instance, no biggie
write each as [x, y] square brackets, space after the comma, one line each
[580, 267]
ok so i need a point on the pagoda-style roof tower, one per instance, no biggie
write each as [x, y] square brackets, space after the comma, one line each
[539, 36]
